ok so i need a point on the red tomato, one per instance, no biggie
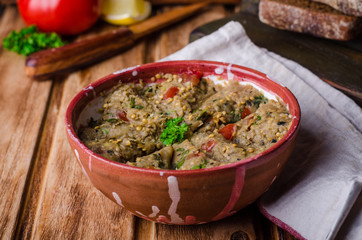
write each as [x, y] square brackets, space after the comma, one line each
[61, 16]
[228, 131]
[191, 76]
[171, 92]
[245, 112]
[123, 116]
[208, 146]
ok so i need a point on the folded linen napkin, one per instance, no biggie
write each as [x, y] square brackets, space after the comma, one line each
[323, 179]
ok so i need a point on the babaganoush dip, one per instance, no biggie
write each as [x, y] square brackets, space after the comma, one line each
[185, 122]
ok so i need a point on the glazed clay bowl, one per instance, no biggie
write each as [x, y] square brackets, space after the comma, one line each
[187, 196]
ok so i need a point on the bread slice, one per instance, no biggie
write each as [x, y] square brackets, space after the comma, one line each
[349, 7]
[310, 17]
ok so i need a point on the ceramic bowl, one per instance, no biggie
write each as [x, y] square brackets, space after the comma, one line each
[175, 196]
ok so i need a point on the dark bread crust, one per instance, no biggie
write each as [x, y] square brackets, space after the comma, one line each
[309, 17]
[349, 7]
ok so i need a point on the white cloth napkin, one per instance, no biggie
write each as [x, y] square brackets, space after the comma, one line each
[314, 195]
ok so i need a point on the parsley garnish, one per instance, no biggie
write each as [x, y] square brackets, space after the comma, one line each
[235, 117]
[105, 131]
[185, 152]
[132, 100]
[174, 131]
[133, 103]
[260, 99]
[29, 40]
[180, 163]
[112, 120]
[148, 89]
[200, 166]
[201, 115]
[258, 118]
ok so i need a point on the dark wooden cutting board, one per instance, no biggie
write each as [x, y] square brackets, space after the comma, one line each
[338, 63]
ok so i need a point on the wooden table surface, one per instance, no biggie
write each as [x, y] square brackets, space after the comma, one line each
[43, 192]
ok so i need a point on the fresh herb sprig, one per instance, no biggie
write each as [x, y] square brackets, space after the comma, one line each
[259, 100]
[29, 40]
[174, 131]
[200, 166]
[133, 103]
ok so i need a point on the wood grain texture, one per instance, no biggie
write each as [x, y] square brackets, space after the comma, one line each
[73, 56]
[23, 103]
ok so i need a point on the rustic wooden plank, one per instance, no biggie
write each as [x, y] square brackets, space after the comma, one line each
[145, 230]
[23, 103]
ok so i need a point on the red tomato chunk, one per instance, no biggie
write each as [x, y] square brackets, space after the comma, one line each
[228, 131]
[171, 92]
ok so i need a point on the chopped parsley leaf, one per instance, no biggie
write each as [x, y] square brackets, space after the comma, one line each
[157, 157]
[260, 99]
[29, 40]
[185, 152]
[132, 100]
[112, 120]
[174, 131]
[200, 166]
[180, 163]
[201, 115]
[258, 118]
[105, 131]
[133, 103]
[148, 89]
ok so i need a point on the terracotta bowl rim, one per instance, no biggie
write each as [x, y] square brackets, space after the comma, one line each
[254, 159]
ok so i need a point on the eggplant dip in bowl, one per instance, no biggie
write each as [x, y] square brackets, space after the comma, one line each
[183, 142]
[185, 122]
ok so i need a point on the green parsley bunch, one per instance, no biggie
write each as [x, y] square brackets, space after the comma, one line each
[174, 131]
[29, 40]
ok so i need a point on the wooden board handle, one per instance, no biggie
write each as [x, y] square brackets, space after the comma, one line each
[47, 63]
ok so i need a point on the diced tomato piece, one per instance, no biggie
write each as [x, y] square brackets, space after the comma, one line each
[122, 115]
[245, 112]
[228, 131]
[191, 76]
[171, 92]
[208, 146]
